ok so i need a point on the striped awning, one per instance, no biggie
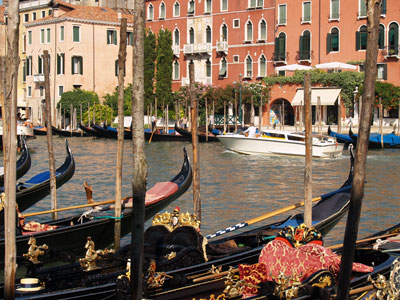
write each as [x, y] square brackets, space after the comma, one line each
[327, 96]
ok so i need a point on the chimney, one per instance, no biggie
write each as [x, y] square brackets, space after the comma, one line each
[55, 13]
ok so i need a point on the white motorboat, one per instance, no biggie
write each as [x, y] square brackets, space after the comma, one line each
[282, 143]
[22, 129]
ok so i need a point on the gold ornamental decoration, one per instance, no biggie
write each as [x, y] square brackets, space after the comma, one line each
[89, 262]
[300, 235]
[155, 279]
[173, 220]
[286, 287]
[34, 250]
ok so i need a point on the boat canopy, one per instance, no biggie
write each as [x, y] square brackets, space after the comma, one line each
[327, 96]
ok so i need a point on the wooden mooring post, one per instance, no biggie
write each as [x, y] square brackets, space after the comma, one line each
[308, 160]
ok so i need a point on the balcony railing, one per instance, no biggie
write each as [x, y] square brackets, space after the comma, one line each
[304, 55]
[392, 51]
[38, 78]
[30, 4]
[222, 46]
[197, 48]
[279, 57]
[176, 50]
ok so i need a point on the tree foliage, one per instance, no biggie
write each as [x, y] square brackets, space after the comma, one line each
[103, 113]
[149, 66]
[76, 98]
[387, 92]
[112, 100]
[164, 67]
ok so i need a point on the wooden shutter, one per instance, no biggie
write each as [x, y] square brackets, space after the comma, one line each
[276, 48]
[72, 65]
[383, 7]
[115, 37]
[328, 43]
[358, 38]
[301, 47]
[58, 64]
[81, 66]
[385, 72]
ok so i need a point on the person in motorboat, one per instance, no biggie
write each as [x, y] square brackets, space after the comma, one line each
[251, 131]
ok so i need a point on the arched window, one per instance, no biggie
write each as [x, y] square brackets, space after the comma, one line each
[191, 7]
[176, 70]
[249, 67]
[150, 12]
[393, 41]
[262, 66]
[361, 38]
[162, 10]
[177, 9]
[208, 6]
[333, 40]
[224, 32]
[249, 31]
[208, 35]
[305, 46]
[262, 30]
[208, 68]
[280, 47]
[224, 68]
[381, 38]
[176, 37]
[191, 35]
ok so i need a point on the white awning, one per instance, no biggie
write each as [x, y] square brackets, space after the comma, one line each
[327, 96]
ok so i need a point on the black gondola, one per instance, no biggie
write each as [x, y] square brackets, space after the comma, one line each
[40, 130]
[326, 213]
[23, 163]
[38, 187]
[202, 136]
[91, 131]
[71, 232]
[160, 137]
[69, 133]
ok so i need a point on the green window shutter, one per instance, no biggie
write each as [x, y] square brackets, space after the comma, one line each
[115, 37]
[307, 11]
[282, 14]
[383, 7]
[276, 48]
[363, 8]
[385, 72]
[116, 67]
[381, 38]
[58, 64]
[335, 9]
[301, 47]
[358, 38]
[396, 41]
[72, 65]
[76, 33]
[81, 66]
[62, 33]
[328, 43]
[24, 72]
[40, 68]
[63, 63]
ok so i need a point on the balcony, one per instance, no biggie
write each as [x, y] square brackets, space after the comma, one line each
[176, 50]
[203, 48]
[279, 57]
[32, 4]
[391, 51]
[222, 47]
[38, 78]
[304, 56]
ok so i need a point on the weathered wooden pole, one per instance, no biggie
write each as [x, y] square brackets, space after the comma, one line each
[94, 113]
[80, 119]
[283, 115]
[71, 116]
[260, 115]
[63, 118]
[213, 113]
[236, 110]
[9, 75]
[206, 120]
[319, 115]
[167, 120]
[381, 121]
[225, 115]
[195, 143]
[252, 112]
[357, 192]
[339, 124]
[139, 158]
[308, 140]
[52, 164]
[88, 114]
[120, 146]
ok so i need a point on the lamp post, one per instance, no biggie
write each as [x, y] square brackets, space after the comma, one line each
[240, 98]
[358, 105]
[236, 112]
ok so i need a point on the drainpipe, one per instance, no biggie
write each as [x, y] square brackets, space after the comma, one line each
[319, 32]
[94, 65]
[54, 115]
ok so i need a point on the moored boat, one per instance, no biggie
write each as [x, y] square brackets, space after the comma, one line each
[202, 136]
[340, 137]
[90, 131]
[69, 133]
[375, 140]
[281, 143]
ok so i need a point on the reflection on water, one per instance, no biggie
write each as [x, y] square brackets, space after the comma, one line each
[234, 187]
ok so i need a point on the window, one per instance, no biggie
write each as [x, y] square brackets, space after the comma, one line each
[29, 37]
[260, 3]
[236, 23]
[252, 3]
[224, 5]
[150, 12]
[208, 68]
[362, 12]
[176, 37]
[208, 35]
[61, 64]
[361, 38]
[176, 70]
[383, 7]
[177, 9]
[49, 13]
[191, 7]
[249, 32]
[60, 90]
[28, 65]
[162, 10]
[282, 14]
[306, 12]
[222, 71]
[262, 31]
[382, 72]
[43, 13]
[305, 46]
[224, 32]
[381, 37]
[335, 10]
[42, 36]
[33, 16]
[41, 91]
[280, 48]
[117, 69]
[191, 35]
[262, 66]
[111, 36]
[208, 6]
[77, 65]
[129, 38]
[40, 65]
[48, 35]
[249, 67]
[61, 33]
[76, 33]
[393, 42]
[24, 72]
[29, 91]
[76, 86]
[332, 41]
[26, 18]
[236, 58]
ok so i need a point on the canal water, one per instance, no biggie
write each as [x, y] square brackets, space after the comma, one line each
[234, 187]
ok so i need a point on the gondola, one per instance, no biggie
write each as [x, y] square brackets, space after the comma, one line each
[23, 163]
[69, 133]
[374, 142]
[71, 233]
[161, 137]
[341, 138]
[40, 130]
[202, 136]
[189, 259]
[91, 131]
[38, 187]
